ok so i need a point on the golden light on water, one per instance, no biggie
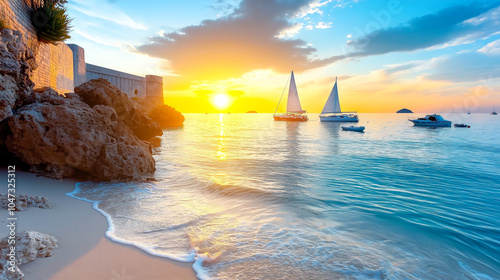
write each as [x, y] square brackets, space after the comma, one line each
[221, 154]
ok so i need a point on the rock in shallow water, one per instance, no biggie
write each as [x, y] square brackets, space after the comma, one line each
[54, 133]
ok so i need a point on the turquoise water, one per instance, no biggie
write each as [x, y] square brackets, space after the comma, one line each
[259, 199]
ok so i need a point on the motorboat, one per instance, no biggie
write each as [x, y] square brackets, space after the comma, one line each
[294, 111]
[354, 128]
[433, 120]
[332, 112]
[461, 125]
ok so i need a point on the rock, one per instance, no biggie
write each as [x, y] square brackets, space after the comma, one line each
[25, 201]
[404, 110]
[54, 134]
[102, 92]
[155, 141]
[166, 116]
[29, 246]
[16, 64]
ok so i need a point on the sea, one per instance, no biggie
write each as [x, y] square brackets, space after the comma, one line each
[242, 196]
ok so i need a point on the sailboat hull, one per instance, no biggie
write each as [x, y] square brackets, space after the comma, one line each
[291, 117]
[339, 118]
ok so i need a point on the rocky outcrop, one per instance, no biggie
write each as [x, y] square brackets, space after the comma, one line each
[405, 111]
[29, 245]
[102, 92]
[60, 135]
[163, 114]
[166, 116]
[25, 201]
[17, 61]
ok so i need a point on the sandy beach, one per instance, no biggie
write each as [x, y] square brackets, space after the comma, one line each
[84, 252]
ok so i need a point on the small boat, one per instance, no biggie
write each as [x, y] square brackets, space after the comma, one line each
[431, 120]
[294, 111]
[354, 128]
[332, 112]
[494, 113]
[461, 125]
[468, 113]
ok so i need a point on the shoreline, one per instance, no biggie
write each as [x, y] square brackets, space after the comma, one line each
[84, 252]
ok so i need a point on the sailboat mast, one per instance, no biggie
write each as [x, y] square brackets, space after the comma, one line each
[281, 96]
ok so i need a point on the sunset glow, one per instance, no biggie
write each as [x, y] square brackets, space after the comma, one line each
[237, 56]
[220, 101]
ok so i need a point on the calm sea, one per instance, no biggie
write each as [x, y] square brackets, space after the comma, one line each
[259, 199]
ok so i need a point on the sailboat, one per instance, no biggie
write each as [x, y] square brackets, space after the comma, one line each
[294, 111]
[468, 113]
[332, 112]
[494, 113]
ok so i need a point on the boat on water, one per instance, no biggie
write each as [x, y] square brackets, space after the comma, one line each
[468, 113]
[461, 125]
[354, 128]
[332, 112]
[494, 113]
[294, 111]
[431, 120]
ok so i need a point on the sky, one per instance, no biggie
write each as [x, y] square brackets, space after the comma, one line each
[237, 55]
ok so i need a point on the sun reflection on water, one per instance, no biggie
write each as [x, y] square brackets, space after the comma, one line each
[221, 151]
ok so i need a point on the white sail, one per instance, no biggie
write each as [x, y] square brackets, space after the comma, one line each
[293, 103]
[332, 104]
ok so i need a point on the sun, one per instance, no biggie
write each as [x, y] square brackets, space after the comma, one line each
[220, 101]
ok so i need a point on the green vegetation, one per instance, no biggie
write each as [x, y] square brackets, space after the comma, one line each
[51, 21]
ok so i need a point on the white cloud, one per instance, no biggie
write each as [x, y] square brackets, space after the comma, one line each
[309, 27]
[313, 7]
[491, 48]
[324, 25]
[290, 32]
[106, 11]
[349, 35]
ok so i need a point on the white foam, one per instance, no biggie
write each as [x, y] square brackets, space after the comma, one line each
[192, 256]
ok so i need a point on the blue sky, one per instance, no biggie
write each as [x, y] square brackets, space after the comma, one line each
[428, 55]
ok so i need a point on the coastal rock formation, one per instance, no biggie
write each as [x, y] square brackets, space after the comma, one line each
[29, 245]
[161, 113]
[25, 201]
[166, 116]
[102, 92]
[404, 110]
[17, 61]
[59, 135]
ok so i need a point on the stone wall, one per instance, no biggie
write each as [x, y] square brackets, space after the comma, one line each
[55, 62]
[132, 85]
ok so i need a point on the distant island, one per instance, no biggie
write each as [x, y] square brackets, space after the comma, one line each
[251, 112]
[405, 111]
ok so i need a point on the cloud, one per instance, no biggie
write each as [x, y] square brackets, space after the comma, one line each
[235, 93]
[465, 67]
[203, 92]
[290, 32]
[243, 41]
[104, 10]
[443, 27]
[491, 48]
[324, 25]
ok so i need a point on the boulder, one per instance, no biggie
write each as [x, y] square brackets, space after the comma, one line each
[102, 92]
[166, 116]
[25, 201]
[29, 246]
[161, 113]
[57, 135]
